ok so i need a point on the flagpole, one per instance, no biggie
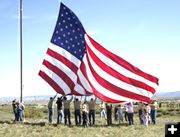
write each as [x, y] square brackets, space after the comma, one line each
[21, 54]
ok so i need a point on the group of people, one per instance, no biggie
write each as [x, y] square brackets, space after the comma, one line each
[81, 111]
[147, 113]
[18, 109]
[84, 113]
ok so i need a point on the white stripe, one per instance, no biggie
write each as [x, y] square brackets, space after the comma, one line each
[56, 79]
[62, 67]
[65, 53]
[78, 88]
[117, 67]
[118, 82]
[84, 81]
[101, 89]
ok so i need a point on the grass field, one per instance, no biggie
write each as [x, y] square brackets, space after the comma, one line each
[39, 127]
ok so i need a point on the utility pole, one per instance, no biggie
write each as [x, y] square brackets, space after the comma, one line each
[21, 54]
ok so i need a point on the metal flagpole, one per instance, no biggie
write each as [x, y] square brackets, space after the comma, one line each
[21, 54]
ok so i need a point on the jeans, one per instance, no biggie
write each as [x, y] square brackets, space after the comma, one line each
[51, 115]
[130, 118]
[153, 116]
[19, 115]
[77, 117]
[60, 116]
[67, 115]
[109, 118]
[92, 115]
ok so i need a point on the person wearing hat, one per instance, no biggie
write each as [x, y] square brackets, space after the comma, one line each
[51, 109]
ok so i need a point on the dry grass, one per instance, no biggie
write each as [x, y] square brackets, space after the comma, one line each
[40, 128]
[36, 125]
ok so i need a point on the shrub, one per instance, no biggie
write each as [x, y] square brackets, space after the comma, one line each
[159, 114]
[33, 113]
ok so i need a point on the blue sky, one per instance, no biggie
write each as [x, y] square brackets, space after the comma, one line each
[145, 33]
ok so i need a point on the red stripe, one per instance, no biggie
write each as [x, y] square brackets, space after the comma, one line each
[117, 90]
[75, 93]
[99, 95]
[122, 62]
[117, 75]
[62, 59]
[87, 92]
[51, 82]
[60, 73]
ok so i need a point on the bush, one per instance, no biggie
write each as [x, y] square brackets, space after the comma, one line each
[173, 114]
[33, 113]
[159, 115]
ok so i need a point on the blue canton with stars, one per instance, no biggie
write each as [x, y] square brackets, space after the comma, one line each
[69, 33]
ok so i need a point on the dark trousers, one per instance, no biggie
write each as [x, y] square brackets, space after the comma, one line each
[85, 119]
[153, 116]
[92, 115]
[77, 117]
[67, 115]
[130, 118]
[140, 116]
[109, 118]
[126, 116]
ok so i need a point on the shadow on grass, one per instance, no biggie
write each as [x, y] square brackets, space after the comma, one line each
[25, 123]
[59, 125]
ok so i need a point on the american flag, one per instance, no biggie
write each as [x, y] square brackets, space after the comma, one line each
[76, 64]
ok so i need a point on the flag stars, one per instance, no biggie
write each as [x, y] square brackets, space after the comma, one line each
[69, 34]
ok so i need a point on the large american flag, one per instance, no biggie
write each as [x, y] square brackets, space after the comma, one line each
[76, 64]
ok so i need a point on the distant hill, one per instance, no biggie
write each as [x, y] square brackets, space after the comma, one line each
[41, 97]
[175, 94]
[167, 95]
